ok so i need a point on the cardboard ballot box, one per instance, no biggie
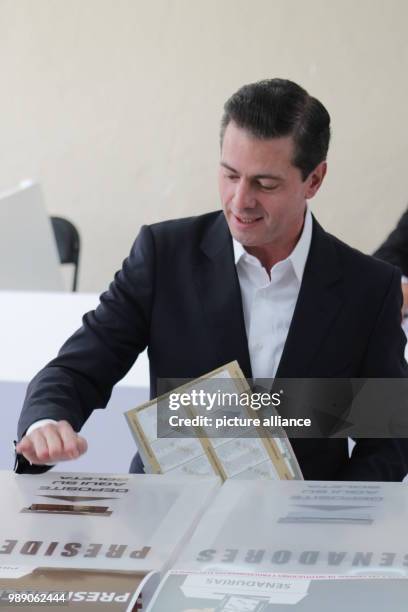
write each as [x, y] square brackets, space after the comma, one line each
[262, 546]
[99, 540]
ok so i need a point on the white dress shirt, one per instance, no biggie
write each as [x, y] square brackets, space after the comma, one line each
[269, 302]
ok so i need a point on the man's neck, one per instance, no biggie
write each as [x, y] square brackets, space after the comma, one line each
[271, 254]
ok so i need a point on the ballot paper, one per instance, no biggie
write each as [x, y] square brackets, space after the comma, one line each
[96, 539]
[247, 453]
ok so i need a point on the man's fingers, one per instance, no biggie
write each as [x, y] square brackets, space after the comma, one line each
[26, 447]
[73, 445]
[52, 443]
[82, 445]
[40, 453]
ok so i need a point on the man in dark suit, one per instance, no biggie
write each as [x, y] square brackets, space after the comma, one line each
[261, 282]
[395, 250]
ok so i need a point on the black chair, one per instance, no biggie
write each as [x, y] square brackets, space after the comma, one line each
[68, 244]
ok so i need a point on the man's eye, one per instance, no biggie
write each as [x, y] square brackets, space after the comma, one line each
[232, 177]
[268, 187]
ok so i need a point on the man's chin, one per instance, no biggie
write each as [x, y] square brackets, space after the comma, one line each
[246, 240]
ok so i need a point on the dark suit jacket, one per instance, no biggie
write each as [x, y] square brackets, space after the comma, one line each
[178, 294]
[395, 248]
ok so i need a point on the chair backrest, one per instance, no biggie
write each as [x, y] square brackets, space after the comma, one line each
[29, 258]
[68, 244]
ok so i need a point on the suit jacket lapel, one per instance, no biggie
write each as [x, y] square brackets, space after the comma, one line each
[318, 305]
[220, 296]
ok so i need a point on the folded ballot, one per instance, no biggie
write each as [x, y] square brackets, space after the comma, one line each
[262, 546]
[209, 426]
[95, 541]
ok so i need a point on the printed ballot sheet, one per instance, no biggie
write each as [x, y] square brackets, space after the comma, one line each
[250, 453]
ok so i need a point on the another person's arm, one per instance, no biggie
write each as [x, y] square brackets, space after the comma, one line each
[394, 250]
[383, 459]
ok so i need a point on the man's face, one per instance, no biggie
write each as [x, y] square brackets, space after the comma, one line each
[263, 194]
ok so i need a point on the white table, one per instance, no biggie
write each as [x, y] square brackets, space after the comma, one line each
[33, 326]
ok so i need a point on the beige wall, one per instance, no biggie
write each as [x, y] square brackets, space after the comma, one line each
[113, 105]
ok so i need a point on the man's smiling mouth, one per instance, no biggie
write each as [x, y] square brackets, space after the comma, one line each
[246, 220]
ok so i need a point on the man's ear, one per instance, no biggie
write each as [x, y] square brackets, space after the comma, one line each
[315, 179]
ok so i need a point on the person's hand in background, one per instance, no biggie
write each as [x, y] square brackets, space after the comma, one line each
[404, 287]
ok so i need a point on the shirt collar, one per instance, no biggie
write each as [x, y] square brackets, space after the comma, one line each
[299, 254]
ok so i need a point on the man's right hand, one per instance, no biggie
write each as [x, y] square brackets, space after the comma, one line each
[51, 443]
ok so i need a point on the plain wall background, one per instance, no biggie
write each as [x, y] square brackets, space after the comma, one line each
[114, 106]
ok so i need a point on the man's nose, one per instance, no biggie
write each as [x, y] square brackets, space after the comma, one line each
[243, 196]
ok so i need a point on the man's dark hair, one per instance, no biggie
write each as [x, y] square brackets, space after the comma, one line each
[276, 107]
